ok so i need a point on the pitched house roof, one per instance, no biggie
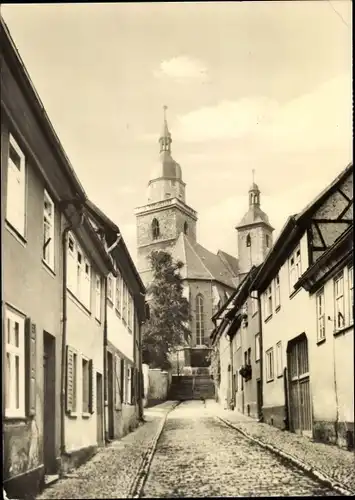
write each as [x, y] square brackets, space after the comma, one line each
[200, 263]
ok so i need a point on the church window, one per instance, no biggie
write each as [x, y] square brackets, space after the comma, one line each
[155, 229]
[248, 240]
[267, 238]
[200, 327]
[186, 227]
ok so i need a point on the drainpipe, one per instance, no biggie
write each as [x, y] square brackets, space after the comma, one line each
[140, 371]
[261, 359]
[66, 231]
[232, 402]
[105, 364]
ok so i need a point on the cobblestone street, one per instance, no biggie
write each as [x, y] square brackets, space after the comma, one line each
[198, 455]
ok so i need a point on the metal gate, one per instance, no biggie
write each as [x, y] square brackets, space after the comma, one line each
[300, 398]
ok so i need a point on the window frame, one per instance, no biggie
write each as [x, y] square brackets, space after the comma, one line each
[339, 298]
[270, 374]
[85, 389]
[118, 297]
[321, 335]
[49, 221]
[200, 323]
[257, 347]
[268, 302]
[295, 267]
[279, 359]
[277, 292]
[98, 296]
[15, 211]
[13, 351]
[351, 294]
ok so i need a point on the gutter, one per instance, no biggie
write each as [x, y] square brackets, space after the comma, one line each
[66, 231]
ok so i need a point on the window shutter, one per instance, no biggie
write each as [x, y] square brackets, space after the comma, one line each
[30, 346]
[133, 384]
[69, 380]
[91, 387]
[117, 375]
[123, 378]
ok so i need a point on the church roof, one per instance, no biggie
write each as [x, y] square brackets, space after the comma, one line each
[232, 262]
[200, 263]
[166, 167]
[253, 216]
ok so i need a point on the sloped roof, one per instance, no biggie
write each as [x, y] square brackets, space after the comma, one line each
[200, 263]
[232, 262]
[253, 216]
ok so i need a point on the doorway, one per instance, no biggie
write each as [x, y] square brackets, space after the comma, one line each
[49, 400]
[110, 395]
[259, 398]
[99, 410]
[299, 386]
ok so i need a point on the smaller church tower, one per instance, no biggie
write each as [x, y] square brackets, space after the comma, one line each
[254, 233]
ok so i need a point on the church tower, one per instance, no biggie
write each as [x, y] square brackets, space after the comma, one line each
[166, 214]
[254, 233]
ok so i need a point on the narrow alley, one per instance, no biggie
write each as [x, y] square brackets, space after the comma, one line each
[199, 456]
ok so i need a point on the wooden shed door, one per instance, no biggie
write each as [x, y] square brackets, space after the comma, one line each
[300, 398]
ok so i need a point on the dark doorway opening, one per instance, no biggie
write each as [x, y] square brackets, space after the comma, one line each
[49, 403]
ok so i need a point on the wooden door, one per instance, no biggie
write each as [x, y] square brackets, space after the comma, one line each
[299, 391]
[49, 405]
[110, 387]
[99, 410]
[258, 398]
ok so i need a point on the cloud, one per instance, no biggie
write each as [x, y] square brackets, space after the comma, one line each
[320, 119]
[182, 69]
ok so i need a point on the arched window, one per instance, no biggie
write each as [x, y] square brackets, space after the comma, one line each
[248, 240]
[186, 227]
[267, 238]
[155, 229]
[200, 327]
[256, 201]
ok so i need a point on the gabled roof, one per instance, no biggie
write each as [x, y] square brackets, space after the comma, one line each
[292, 232]
[201, 264]
[113, 231]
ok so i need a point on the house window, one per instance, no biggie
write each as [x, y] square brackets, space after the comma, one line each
[86, 293]
[295, 267]
[248, 240]
[267, 240]
[245, 314]
[119, 294]
[277, 292]
[320, 315]
[257, 347]
[254, 304]
[238, 340]
[48, 231]
[110, 288]
[129, 385]
[130, 312]
[351, 294]
[279, 366]
[339, 302]
[75, 382]
[15, 365]
[98, 297]
[16, 187]
[85, 380]
[200, 327]
[155, 229]
[270, 364]
[249, 356]
[125, 303]
[268, 302]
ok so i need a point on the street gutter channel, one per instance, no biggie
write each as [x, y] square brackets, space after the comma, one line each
[138, 482]
[314, 473]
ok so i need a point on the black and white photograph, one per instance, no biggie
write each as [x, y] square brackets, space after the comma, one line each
[177, 273]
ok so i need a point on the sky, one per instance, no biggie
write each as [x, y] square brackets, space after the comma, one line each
[248, 85]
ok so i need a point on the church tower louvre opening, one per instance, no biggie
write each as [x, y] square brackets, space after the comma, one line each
[165, 214]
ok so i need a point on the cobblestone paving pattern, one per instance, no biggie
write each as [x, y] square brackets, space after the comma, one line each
[199, 456]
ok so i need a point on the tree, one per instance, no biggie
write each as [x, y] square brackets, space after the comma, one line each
[166, 329]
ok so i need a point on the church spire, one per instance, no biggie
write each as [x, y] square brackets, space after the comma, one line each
[165, 137]
[254, 193]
